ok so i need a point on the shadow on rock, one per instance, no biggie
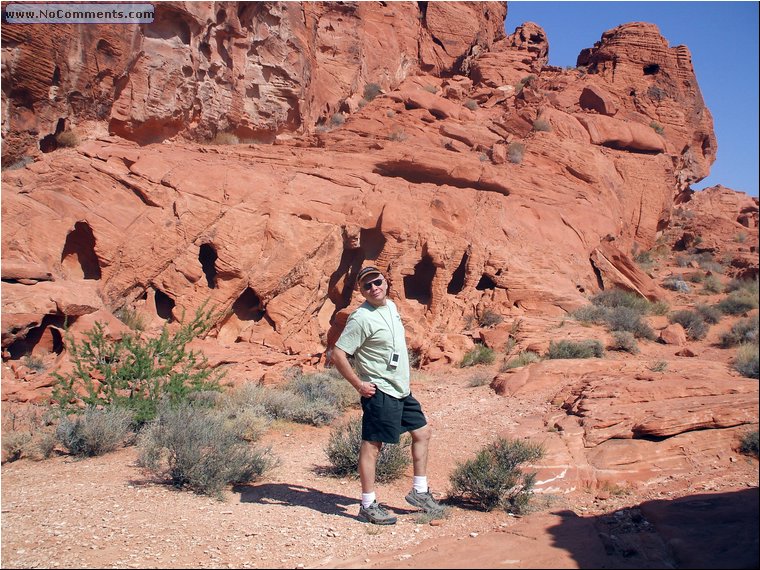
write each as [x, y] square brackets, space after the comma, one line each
[718, 530]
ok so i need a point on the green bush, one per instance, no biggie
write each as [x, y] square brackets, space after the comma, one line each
[628, 320]
[337, 119]
[522, 358]
[15, 445]
[343, 452]
[624, 341]
[194, 448]
[658, 366]
[479, 380]
[481, 354]
[746, 360]
[589, 348]
[612, 298]
[749, 443]
[743, 331]
[658, 128]
[695, 326]
[493, 479]
[94, 431]
[541, 125]
[471, 104]
[133, 372]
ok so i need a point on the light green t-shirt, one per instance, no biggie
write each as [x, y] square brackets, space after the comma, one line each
[372, 334]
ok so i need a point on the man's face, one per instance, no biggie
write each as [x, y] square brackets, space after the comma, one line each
[374, 288]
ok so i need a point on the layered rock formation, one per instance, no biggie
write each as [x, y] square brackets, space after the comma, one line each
[412, 136]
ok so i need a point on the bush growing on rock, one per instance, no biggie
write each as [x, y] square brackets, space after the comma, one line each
[479, 355]
[588, 348]
[493, 479]
[746, 360]
[749, 443]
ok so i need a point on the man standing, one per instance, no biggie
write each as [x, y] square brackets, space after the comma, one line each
[374, 335]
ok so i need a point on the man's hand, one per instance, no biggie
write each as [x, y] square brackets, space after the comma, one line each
[367, 389]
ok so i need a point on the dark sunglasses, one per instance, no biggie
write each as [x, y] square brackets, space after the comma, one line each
[369, 284]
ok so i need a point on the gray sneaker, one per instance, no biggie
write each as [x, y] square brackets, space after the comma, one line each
[376, 514]
[425, 501]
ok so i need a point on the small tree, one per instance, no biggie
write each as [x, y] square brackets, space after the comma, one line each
[134, 372]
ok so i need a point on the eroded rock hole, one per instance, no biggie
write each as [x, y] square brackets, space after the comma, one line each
[372, 242]
[419, 285]
[208, 256]
[651, 69]
[485, 283]
[78, 257]
[164, 305]
[247, 307]
[457, 279]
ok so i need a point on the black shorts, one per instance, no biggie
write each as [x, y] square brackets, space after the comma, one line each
[386, 418]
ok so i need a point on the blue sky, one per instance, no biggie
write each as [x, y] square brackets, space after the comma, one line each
[723, 40]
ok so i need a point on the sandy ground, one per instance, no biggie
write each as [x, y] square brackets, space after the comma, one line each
[106, 512]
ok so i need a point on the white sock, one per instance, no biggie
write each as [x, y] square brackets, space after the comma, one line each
[368, 499]
[420, 484]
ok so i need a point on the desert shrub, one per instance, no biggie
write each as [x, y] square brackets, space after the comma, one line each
[372, 90]
[612, 298]
[94, 431]
[644, 260]
[479, 380]
[743, 331]
[695, 326]
[711, 266]
[397, 134]
[225, 138]
[527, 80]
[541, 125]
[742, 284]
[194, 448]
[481, 354]
[676, 284]
[740, 300]
[67, 139]
[330, 387]
[489, 318]
[337, 119]
[658, 128]
[471, 104]
[15, 445]
[628, 320]
[658, 366]
[493, 479]
[131, 318]
[712, 284]
[590, 314]
[342, 450]
[134, 372]
[34, 363]
[746, 360]
[659, 308]
[749, 443]
[624, 341]
[522, 358]
[515, 152]
[684, 259]
[588, 348]
[710, 314]
[430, 88]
